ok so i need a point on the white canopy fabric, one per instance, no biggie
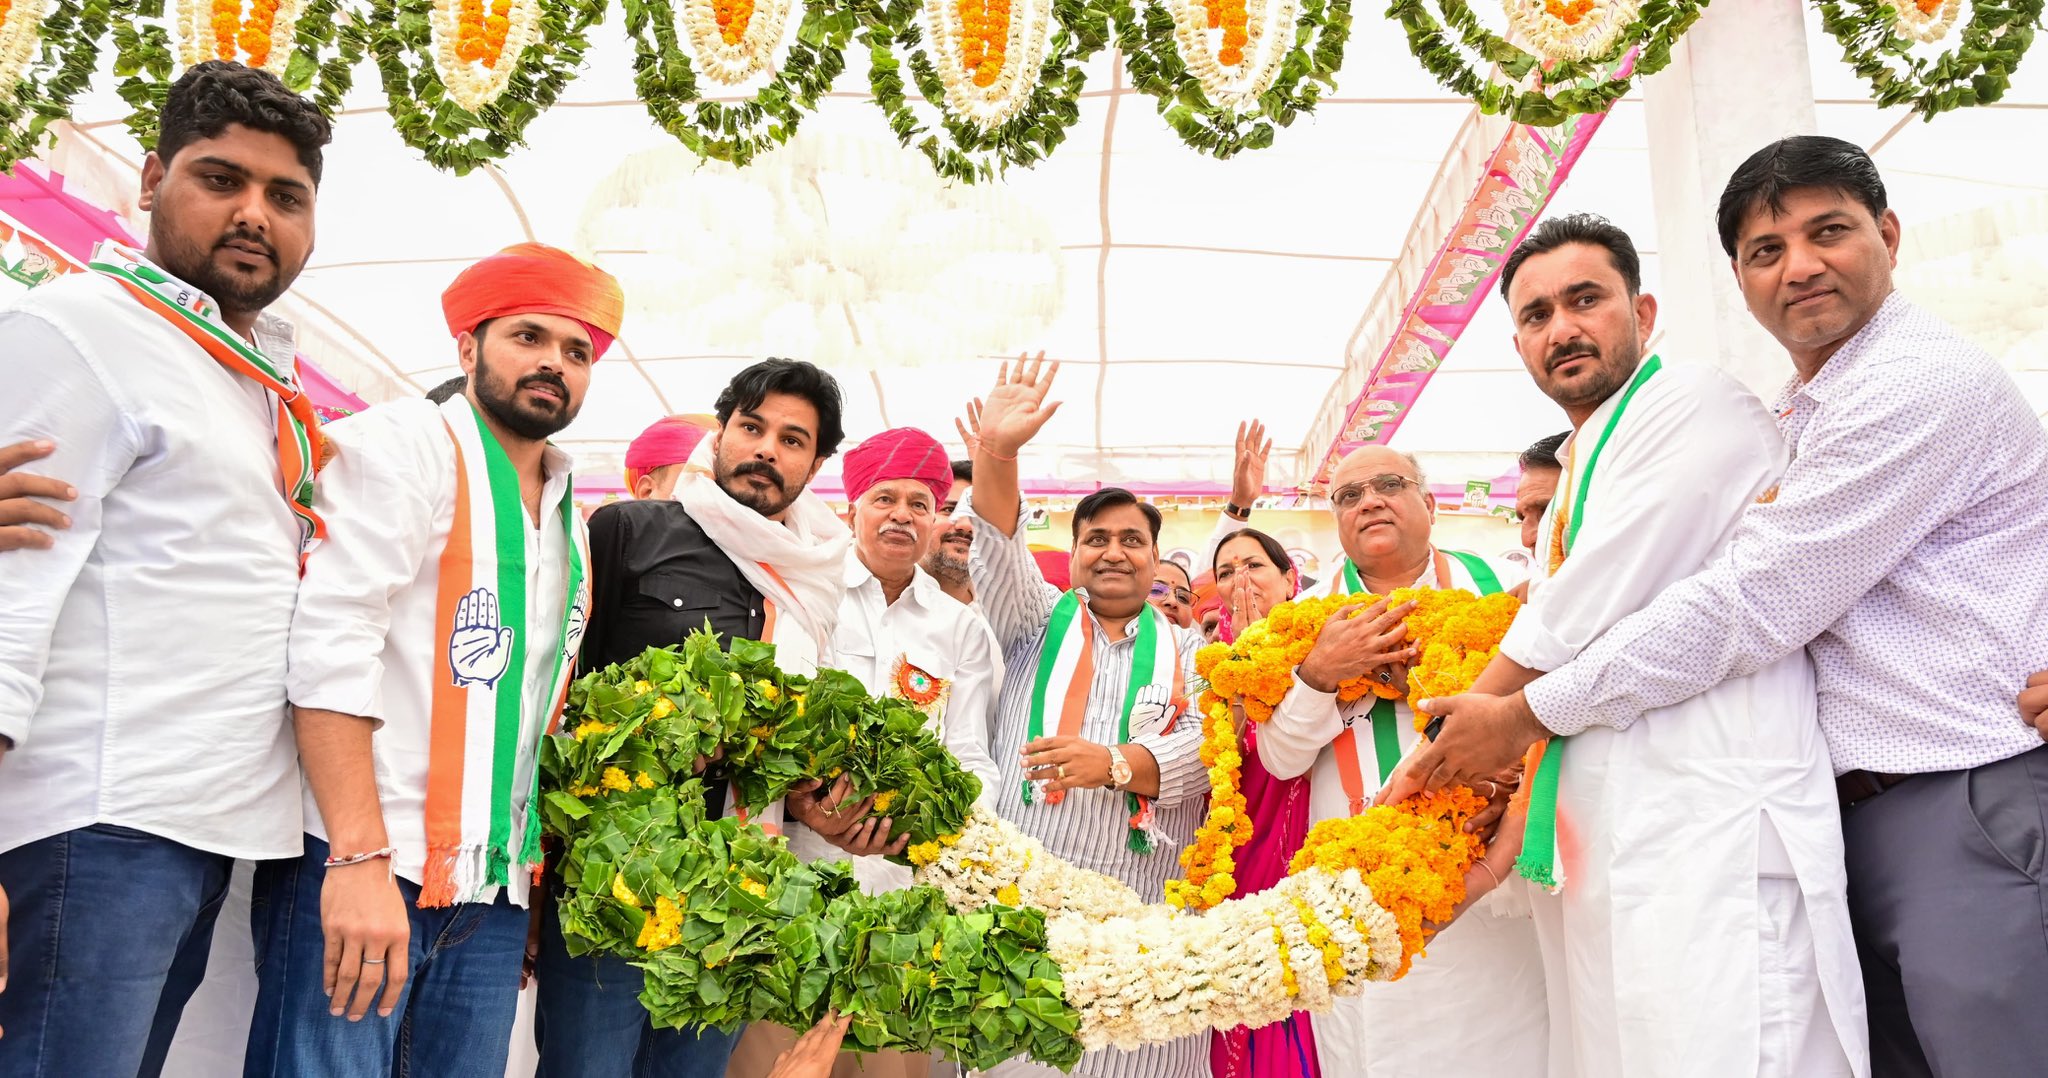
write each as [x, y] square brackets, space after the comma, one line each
[1181, 293]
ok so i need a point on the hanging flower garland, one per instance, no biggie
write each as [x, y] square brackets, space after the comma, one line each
[1227, 73]
[51, 48]
[21, 23]
[1003, 950]
[1878, 36]
[508, 63]
[1456, 632]
[1012, 104]
[1577, 60]
[665, 73]
[297, 40]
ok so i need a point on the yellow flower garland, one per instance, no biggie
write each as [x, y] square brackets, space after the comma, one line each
[1456, 633]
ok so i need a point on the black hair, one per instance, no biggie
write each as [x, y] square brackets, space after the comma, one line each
[1791, 163]
[1109, 498]
[797, 378]
[1543, 454]
[1272, 547]
[448, 390]
[1587, 228]
[963, 471]
[1184, 570]
[214, 94]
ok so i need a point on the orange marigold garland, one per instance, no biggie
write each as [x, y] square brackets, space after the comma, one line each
[1457, 633]
[1413, 856]
[221, 30]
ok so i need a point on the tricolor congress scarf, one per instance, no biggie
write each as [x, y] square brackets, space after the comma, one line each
[1153, 698]
[483, 628]
[193, 314]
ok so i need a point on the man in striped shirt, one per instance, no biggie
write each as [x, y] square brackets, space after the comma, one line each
[1121, 739]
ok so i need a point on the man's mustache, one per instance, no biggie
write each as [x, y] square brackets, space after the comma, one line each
[755, 467]
[1564, 352]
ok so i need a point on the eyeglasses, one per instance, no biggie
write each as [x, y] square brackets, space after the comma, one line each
[1386, 486]
[1161, 589]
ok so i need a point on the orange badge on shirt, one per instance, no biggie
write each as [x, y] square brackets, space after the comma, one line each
[912, 684]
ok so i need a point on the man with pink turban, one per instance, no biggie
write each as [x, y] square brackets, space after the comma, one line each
[902, 636]
[657, 456]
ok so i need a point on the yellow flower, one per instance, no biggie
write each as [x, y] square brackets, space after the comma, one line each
[664, 929]
[949, 840]
[592, 726]
[622, 892]
[663, 708]
[643, 780]
[851, 730]
[642, 687]
[768, 689]
[937, 949]
[754, 887]
[884, 799]
[615, 779]
[923, 853]
[1008, 896]
[799, 704]
[584, 791]
[765, 731]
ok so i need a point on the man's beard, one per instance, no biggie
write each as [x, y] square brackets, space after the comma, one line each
[233, 291]
[1605, 380]
[944, 567]
[766, 502]
[503, 403]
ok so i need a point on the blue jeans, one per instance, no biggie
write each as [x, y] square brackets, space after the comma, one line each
[108, 938]
[588, 1021]
[454, 1016]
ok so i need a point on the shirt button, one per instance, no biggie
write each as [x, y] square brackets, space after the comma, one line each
[679, 604]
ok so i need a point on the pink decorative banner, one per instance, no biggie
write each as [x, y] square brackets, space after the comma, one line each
[1525, 173]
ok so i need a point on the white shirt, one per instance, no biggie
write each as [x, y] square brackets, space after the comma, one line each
[1906, 547]
[364, 642]
[142, 657]
[887, 646]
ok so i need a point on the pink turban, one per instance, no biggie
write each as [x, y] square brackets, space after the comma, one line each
[670, 440]
[903, 453]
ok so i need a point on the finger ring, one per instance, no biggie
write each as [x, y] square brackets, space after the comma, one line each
[1492, 788]
[373, 961]
[1061, 771]
[1386, 678]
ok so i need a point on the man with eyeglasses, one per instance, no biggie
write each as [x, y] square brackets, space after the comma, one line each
[1483, 983]
[1173, 593]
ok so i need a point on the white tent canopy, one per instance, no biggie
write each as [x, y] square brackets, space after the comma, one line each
[1181, 293]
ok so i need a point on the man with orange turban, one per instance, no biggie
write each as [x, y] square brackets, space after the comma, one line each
[902, 636]
[430, 652]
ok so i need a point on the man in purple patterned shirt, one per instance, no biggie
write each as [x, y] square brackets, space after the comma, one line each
[1906, 548]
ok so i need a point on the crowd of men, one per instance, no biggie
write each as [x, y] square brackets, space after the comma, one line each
[1784, 662]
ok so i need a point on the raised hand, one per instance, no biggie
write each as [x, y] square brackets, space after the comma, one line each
[1248, 474]
[479, 649]
[1015, 410]
[969, 427]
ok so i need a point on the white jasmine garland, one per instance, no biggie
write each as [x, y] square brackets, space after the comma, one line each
[1927, 26]
[473, 85]
[1029, 39]
[1552, 38]
[19, 36]
[195, 32]
[991, 854]
[1269, 30]
[735, 63]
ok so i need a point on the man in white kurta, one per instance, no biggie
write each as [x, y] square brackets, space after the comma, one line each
[1702, 927]
[1476, 1003]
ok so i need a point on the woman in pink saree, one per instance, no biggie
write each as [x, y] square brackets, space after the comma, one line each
[1253, 574]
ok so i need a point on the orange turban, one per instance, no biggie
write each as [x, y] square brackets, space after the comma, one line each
[533, 278]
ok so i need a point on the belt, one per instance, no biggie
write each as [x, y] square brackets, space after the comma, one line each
[1858, 786]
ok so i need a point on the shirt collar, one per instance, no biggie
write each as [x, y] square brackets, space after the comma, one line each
[1836, 372]
[858, 575]
[274, 336]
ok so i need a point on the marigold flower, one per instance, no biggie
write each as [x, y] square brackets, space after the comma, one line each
[615, 779]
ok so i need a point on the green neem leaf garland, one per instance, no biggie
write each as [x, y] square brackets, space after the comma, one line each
[1562, 89]
[1145, 33]
[1976, 71]
[399, 35]
[67, 53]
[323, 59]
[968, 152]
[727, 924]
[667, 82]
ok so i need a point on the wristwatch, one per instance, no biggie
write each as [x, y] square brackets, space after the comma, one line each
[1119, 768]
[1236, 512]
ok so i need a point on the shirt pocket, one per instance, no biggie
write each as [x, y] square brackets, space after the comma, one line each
[683, 604]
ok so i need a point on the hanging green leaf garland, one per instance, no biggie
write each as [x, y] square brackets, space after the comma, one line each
[322, 63]
[1977, 70]
[398, 33]
[667, 82]
[1539, 93]
[1146, 34]
[968, 152]
[67, 55]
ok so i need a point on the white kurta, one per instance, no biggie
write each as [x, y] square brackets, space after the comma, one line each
[1475, 1004]
[882, 643]
[1665, 953]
